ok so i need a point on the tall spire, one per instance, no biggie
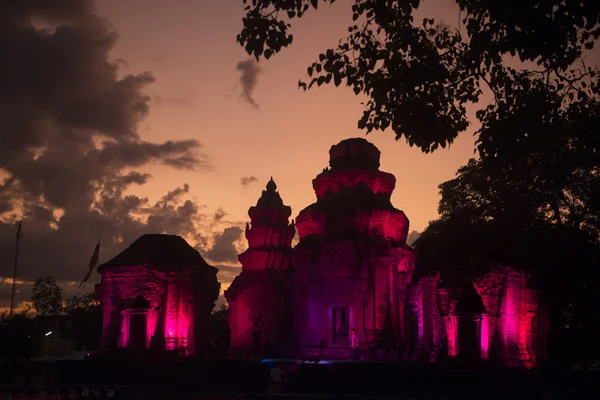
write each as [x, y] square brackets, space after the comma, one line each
[271, 186]
[269, 223]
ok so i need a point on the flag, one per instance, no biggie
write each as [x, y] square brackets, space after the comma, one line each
[92, 265]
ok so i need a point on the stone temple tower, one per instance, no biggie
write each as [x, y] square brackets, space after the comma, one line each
[259, 313]
[352, 264]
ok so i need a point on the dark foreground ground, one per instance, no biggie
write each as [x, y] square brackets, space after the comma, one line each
[229, 379]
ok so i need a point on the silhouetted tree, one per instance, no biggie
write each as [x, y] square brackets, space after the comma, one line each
[18, 336]
[418, 77]
[81, 302]
[47, 296]
[86, 313]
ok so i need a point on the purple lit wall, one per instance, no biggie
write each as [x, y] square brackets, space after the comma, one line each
[508, 323]
[352, 264]
[259, 299]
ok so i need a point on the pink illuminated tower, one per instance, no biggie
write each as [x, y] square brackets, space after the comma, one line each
[259, 312]
[352, 262]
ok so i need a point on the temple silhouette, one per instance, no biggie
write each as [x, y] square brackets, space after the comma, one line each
[351, 269]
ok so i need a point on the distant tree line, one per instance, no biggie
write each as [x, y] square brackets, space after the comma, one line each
[22, 334]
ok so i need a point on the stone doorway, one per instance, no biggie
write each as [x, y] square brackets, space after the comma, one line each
[341, 325]
[468, 339]
[137, 331]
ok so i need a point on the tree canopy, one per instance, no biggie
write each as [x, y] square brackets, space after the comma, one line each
[47, 296]
[81, 303]
[419, 76]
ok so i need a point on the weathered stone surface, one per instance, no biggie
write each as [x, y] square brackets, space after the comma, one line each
[352, 257]
[164, 284]
[507, 317]
[259, 299]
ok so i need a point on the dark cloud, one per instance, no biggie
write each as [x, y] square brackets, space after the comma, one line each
[248, 78]
[23, 293]
[185, 101]
[65, 249]
[412, 237]
[70, 148]
[219, 215]
[247, 180]
[223, 249]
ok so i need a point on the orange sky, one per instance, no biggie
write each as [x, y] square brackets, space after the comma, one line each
[190, 48]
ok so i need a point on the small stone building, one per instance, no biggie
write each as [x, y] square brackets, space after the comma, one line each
[157, 294]
[496, 317]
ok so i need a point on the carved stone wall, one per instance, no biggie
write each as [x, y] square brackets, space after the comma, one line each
[508, 328]
[260, 309]
[175, 300]
[352, 255]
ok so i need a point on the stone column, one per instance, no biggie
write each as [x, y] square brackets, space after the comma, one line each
[528, 309]
[453, 349]
[111, 318]
[514, 291]
[124, 336]
[107, 314]
[402, 292]
[415, 304]
[432, 332]
[172, 311]
[485, 336]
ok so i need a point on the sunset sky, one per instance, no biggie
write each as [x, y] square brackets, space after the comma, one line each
[250, 124]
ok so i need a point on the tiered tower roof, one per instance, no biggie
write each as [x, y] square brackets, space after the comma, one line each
[353, 197]
[268, 230]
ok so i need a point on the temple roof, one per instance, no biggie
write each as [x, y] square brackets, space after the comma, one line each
[354, 153]
[270, 198]
[269, 208]
[160, 251]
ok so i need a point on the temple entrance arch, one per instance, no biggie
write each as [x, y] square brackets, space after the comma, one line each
[137, 331]
[469, 338]
[469, 315]
[340, 322]
[135, 324]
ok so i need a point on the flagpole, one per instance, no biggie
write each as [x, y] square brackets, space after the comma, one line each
[98, 262]
[18, 225]
[92, 264]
